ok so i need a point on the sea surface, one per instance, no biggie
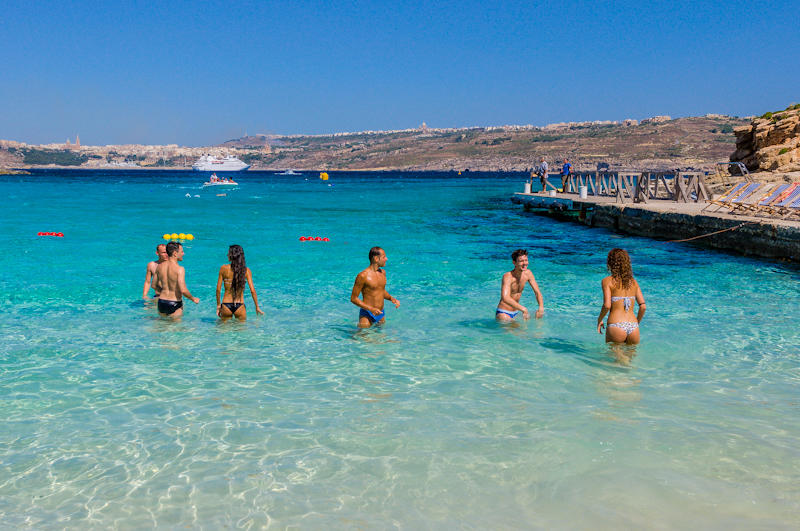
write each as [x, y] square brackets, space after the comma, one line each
[442, 419]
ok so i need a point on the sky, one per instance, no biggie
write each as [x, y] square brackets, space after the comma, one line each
[202, 72]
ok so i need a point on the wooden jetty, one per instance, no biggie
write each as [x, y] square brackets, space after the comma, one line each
[665, 207]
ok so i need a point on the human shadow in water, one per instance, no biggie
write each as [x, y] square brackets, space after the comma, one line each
[374, 334]
[493, 325]
[589, 353]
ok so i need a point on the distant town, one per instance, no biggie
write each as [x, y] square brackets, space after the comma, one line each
[655, 141]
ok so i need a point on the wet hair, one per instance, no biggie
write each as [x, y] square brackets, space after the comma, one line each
[375, 251]
[172, 248]
[519, 252]
[619, 264]
[159, 245]
[239, 268]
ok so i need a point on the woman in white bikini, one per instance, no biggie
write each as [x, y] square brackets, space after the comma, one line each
[234, 276]
[619, 291]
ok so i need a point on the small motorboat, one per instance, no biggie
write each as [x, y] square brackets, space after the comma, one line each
[290, 172]
[216, 181]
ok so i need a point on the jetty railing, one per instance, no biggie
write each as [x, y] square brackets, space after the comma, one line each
[640, 187]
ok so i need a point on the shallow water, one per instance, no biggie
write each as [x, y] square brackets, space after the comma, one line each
[439, 419]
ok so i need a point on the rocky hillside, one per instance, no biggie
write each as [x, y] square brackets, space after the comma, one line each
[697, 142]
[655, 144]
[771, 142]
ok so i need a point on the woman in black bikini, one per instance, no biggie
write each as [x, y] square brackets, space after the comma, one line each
[234, 276]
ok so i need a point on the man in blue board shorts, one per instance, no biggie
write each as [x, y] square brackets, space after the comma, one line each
[566, 171]
[371, 285]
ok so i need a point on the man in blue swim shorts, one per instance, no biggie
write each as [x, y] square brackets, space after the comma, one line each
[371, 285]
[511, 290]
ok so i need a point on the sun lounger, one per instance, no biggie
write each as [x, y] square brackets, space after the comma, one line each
[792, 209]
[728, 196]
[743, 203]
[779, 208]
[766, 197]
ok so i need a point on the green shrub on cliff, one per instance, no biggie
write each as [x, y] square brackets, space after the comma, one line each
[782, 151]
[45, 156]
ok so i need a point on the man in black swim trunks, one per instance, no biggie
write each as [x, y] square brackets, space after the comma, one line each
[171, 278]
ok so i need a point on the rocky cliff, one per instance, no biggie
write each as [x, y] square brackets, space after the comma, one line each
[770, 142]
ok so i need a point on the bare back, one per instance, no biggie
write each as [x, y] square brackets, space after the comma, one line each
[226, 273]
[620, 299]
[170, 278]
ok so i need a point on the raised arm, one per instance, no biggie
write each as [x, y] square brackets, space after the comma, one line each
[606, 286]
[641, 303]
[249, 278]
[538, 293]
[182, 286]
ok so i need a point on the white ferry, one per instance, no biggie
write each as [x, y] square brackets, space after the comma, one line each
[212, 163]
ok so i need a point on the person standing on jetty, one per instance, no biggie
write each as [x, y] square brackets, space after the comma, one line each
[234, 276]
[371, 285]
[619, 291]
[566, 171]
[541, 171]
[171, 279]
[511, 290]
[161, 252]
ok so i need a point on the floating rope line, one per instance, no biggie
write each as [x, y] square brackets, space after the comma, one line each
[712, 233]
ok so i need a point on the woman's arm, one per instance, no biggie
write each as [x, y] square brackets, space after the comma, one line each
[606, 286]
[219, 288]
[249, 278]
[641, 303]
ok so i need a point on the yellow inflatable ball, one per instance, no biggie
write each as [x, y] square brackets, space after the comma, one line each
[174, 236]
[190, 237]
[166, 236]
[181, 236]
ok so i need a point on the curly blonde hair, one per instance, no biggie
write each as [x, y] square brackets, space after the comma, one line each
[619, 264]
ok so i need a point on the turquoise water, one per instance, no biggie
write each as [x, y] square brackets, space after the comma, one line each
[441, 419]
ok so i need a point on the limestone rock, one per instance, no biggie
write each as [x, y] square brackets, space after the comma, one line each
[770, 143]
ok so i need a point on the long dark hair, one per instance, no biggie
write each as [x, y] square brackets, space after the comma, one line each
[239, 268]
[619, 264]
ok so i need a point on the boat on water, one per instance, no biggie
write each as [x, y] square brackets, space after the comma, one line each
[216, 181]
[290, 172]
[212, 163]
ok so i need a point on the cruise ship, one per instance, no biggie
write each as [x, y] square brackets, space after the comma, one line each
[212, 163]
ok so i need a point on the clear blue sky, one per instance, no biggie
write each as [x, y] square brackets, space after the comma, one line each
[199, 73]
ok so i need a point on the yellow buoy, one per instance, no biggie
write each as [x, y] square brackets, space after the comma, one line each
[181, 236]
[166, 236]
[323, 176]
[190, 237]
[174, 236]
